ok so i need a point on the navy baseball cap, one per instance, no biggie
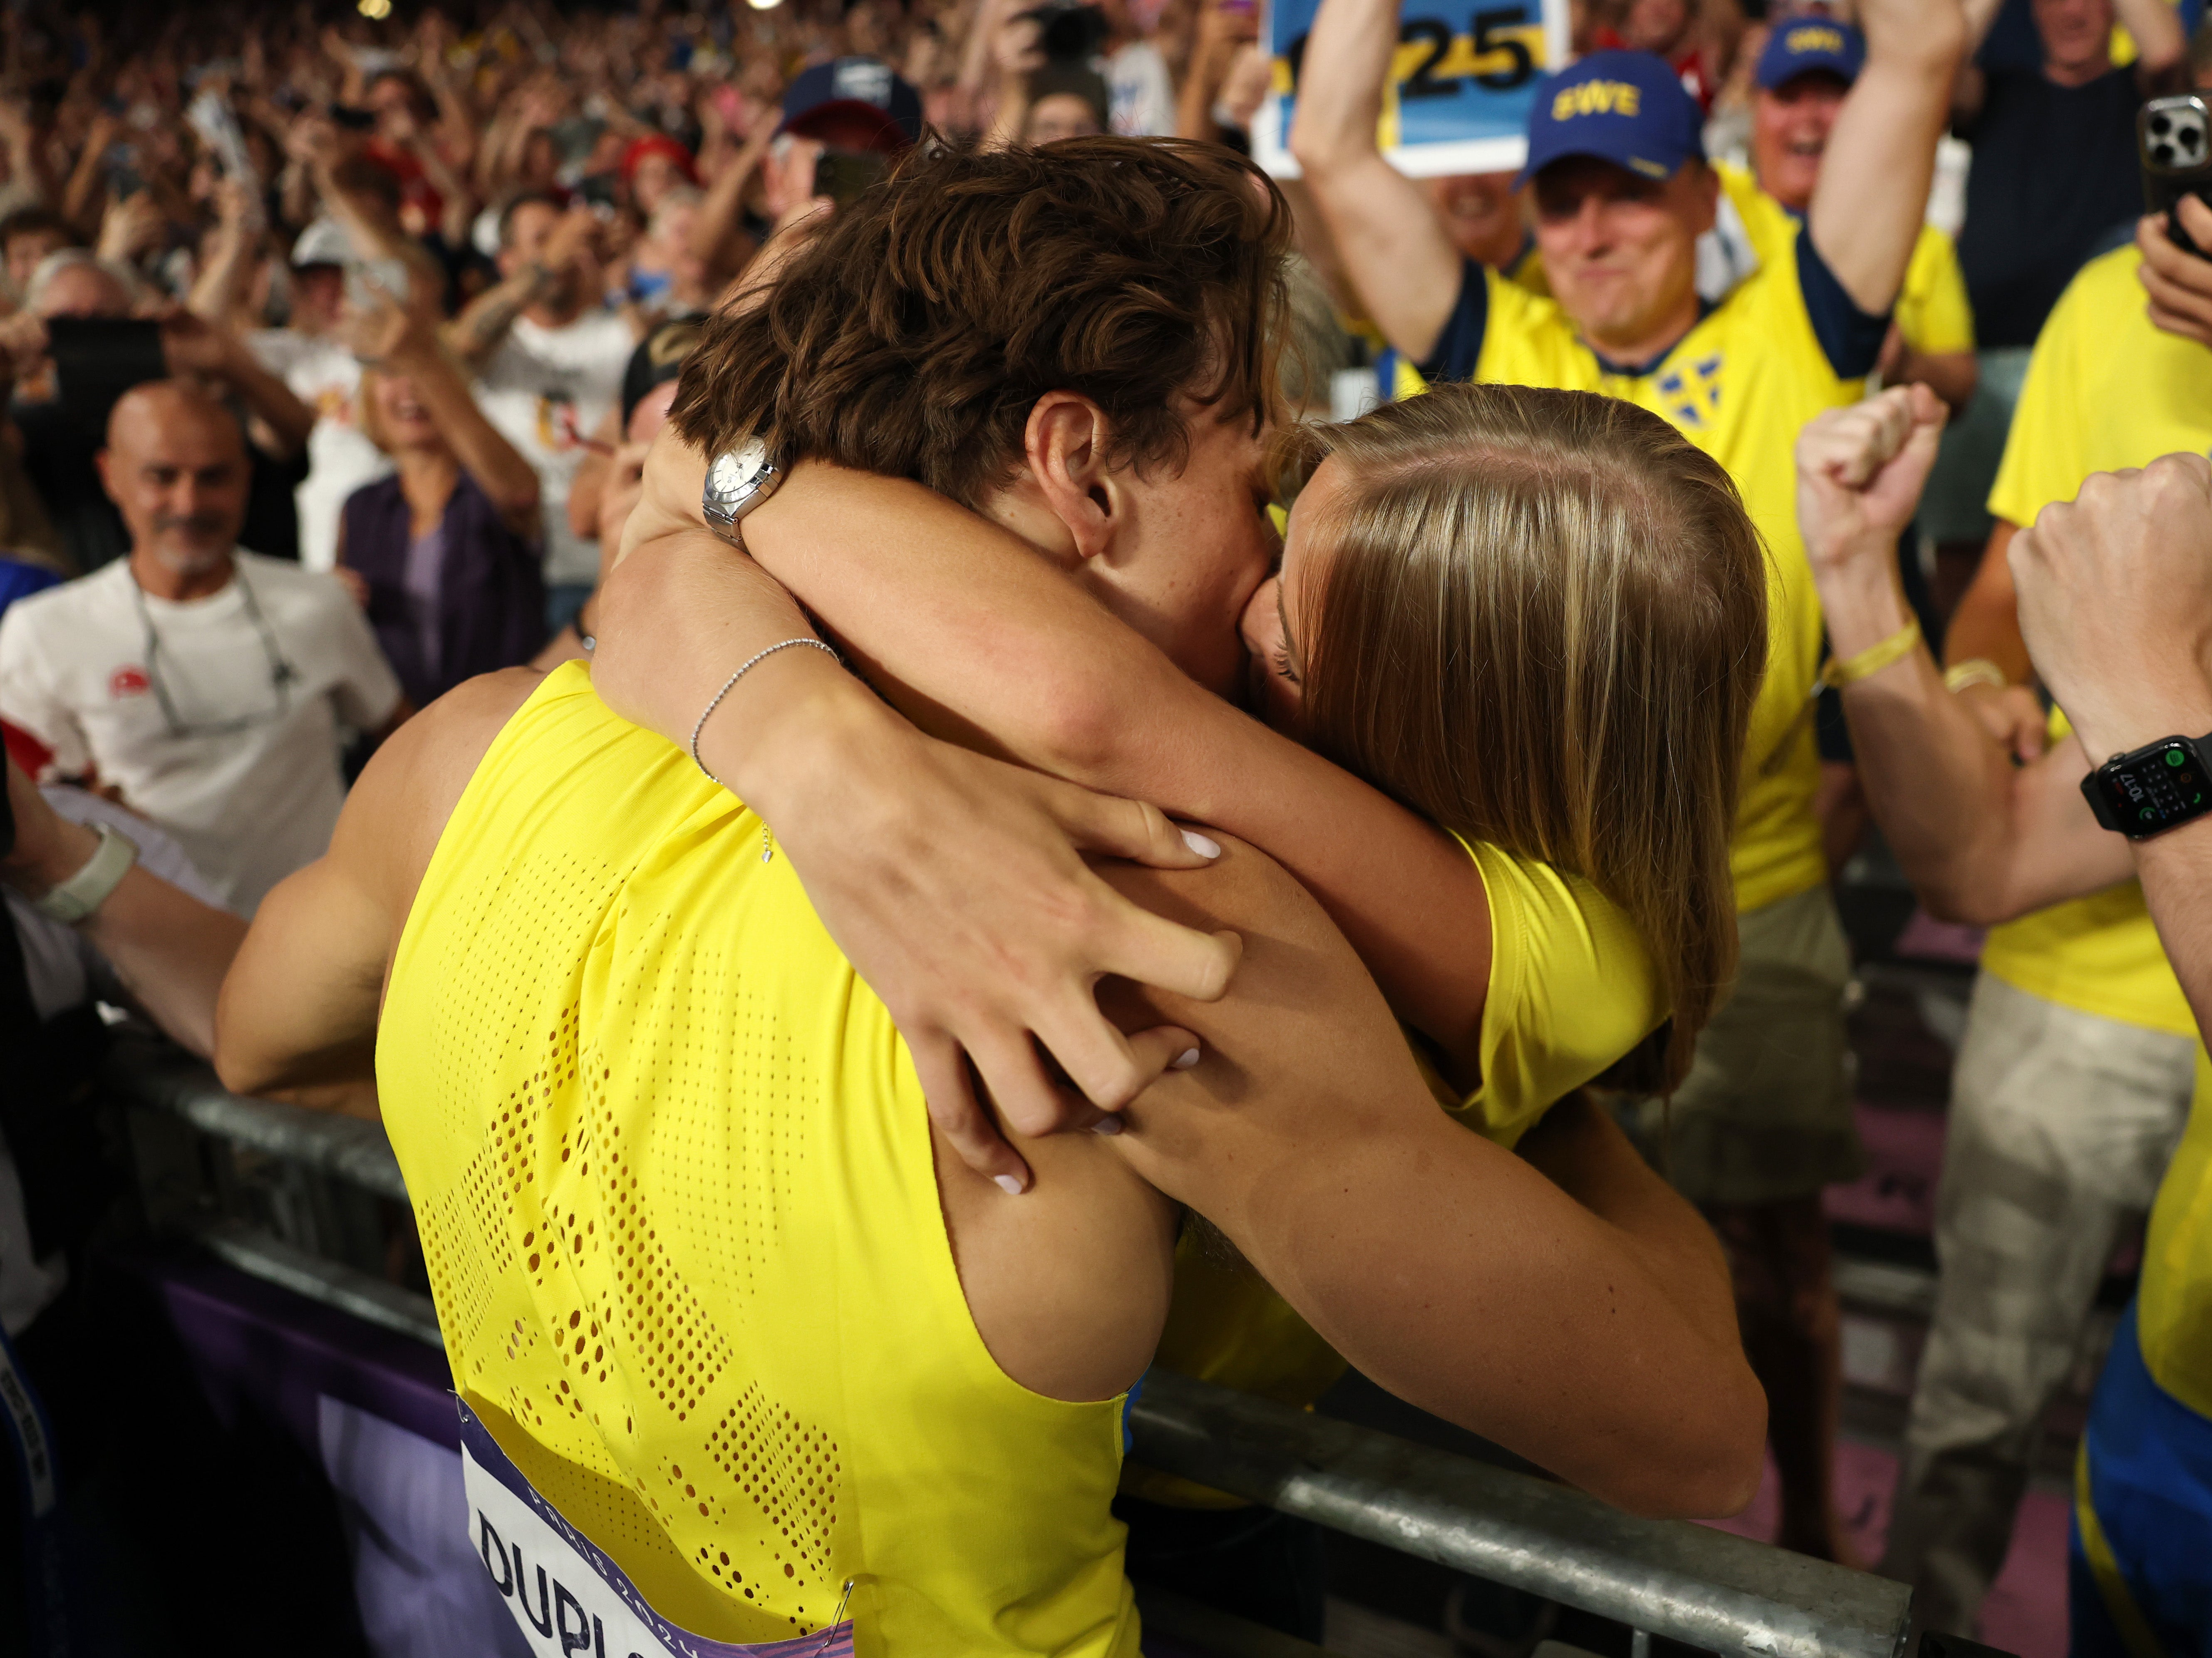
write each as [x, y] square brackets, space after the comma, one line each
[847, 88]
[1810, 44]
[1625, 107]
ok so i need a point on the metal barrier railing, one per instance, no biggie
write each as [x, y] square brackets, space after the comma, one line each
[1686, 1582]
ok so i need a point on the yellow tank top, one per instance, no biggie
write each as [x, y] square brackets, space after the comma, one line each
[672, 1172]
[1572, 989]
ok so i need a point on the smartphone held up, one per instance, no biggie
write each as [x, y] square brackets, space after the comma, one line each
[2173, 135]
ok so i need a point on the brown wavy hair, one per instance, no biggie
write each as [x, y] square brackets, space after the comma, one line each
[913, 335]
[1540, 620]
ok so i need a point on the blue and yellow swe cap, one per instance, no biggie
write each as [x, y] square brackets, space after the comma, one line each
[1810, 44]
[1625, 107]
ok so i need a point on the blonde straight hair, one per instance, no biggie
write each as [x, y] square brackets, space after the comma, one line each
[1542, 621]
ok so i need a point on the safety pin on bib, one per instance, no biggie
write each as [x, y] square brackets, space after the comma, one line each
[837, 1617]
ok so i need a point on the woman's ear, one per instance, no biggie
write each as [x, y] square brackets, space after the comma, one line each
[1065, 448]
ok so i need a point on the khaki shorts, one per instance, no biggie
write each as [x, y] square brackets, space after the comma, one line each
[1765, 1114]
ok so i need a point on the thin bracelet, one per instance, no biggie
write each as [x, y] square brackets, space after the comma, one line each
[1872, 660]
[1974, 670]
[730, 684]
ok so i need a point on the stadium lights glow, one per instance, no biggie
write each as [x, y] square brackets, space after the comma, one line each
[378, 9]
[757, 5]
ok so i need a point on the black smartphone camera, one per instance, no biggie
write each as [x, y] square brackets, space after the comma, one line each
[842, 174]
[1070, 34]
[123, 178]
[2174, 135]
[352, 119]
[98, 359]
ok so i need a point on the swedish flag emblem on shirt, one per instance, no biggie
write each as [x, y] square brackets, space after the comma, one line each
[1692, 395]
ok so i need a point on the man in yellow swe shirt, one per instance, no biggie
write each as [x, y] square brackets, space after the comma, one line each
[1622, 190]
[2073, 1080]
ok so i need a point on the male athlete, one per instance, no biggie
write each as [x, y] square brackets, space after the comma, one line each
[740, 1336]
[1617, 171]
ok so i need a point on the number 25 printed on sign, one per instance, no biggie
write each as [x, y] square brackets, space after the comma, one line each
[1461, 84]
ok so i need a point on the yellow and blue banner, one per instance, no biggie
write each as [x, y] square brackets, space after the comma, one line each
[1463, 82]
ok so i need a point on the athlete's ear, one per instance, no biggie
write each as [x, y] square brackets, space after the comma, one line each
[1065, 446]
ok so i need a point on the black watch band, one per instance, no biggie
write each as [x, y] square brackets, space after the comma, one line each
[2149, 789]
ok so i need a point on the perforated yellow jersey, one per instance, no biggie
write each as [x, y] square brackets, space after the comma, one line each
[672, 1173]
[1786, 344]
[1572, 989]
[2104, 390]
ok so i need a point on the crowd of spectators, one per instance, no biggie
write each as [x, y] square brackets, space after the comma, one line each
[333, 344]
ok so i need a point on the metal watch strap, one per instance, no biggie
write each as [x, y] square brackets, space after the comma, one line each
[85, 891]
[737, 481]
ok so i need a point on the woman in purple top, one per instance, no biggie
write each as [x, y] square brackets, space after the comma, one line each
[448, 546]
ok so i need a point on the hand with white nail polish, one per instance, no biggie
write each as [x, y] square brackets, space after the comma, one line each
[958, 887]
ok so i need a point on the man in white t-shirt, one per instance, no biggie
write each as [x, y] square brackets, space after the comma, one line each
[205, 684]
[549, 361]
[312, 357]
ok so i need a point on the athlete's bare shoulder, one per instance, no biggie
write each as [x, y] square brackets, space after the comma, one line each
[400, 807]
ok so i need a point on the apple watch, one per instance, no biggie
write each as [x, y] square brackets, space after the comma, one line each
[739, 480]
[2152, 789]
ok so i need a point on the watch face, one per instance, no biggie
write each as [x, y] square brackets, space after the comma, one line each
[737, 474]
[2156, 788]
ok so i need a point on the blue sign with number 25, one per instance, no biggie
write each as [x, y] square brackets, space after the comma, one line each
[1461, 83]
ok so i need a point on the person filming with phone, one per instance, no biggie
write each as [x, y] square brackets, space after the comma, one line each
[204, 683]
[79, 343]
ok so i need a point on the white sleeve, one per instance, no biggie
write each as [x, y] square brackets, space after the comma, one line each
[157, 852]
[30, 695]
[275, 349]
[367, 691]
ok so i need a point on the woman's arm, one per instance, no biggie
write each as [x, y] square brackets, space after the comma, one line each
[932, 867]
[214, 293]
[979, 639]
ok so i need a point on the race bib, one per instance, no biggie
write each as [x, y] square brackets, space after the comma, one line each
[568, 1597]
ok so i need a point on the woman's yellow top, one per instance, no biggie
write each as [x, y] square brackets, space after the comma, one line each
[1572, 989]
[672, 1172]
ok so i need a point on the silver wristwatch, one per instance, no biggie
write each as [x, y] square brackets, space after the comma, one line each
[87, 891]
[739, 480]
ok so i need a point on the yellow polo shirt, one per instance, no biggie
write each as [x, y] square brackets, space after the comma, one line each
[1785, 344]
[1932, 312]
[2104, 390]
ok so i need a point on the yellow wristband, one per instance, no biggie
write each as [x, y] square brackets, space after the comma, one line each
[1974, 670]
[1849, 670]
